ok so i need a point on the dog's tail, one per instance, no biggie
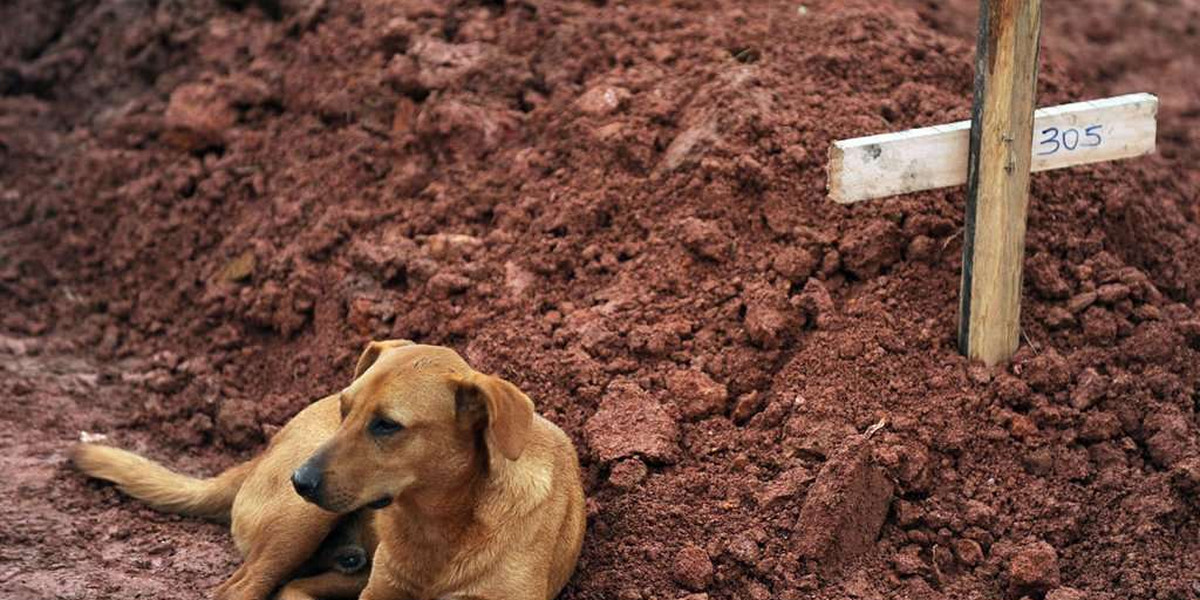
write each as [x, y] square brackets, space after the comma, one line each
[160, 487]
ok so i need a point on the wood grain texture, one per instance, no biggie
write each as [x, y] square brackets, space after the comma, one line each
[928, 158]
[998, 171]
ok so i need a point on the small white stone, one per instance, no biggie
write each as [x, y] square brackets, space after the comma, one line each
[88, 437]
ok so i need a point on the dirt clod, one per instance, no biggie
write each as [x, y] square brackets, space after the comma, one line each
[238, 423]
[870, 249]
[631, 423]
[696, 394]
[692, 568]
[908, 561]
[1046, 277]
[784, 488]
[626, 474]
[968, 552]
[1066, 593]
[198, 116]
[603, 100]
[1169, 442]
[795, 264]
[1033, 570]
[704, 238]
[1100, 426]
[845, 507]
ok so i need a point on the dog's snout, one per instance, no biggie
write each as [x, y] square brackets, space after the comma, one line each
[307, 481]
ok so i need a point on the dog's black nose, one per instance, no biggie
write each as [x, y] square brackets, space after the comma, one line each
[307, 481]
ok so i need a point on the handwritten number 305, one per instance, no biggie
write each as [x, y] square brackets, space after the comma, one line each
[1069, 139]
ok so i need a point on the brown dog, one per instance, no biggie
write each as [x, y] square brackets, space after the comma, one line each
[444, 476]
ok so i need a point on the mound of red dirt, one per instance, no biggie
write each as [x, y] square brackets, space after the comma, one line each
[211, 206]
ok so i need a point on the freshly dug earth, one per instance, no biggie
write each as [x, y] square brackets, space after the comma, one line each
[209, 207]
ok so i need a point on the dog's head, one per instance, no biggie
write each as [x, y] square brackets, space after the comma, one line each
[415, 418]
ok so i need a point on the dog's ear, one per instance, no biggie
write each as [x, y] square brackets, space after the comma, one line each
[372, 351]
[509, 411]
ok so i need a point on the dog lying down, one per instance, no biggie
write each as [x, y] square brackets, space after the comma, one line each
[423, 479]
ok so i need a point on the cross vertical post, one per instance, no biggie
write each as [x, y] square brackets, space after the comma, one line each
[998, 173]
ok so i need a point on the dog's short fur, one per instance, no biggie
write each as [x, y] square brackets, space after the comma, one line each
[443, 476]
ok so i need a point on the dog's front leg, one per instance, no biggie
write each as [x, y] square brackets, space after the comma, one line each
[330, 584]
[274, 555]
[382, 587]
[508, 595]
[385, 581]
[375, 591]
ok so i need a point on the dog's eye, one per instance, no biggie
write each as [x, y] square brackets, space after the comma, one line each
[351, 562]
[382, 426]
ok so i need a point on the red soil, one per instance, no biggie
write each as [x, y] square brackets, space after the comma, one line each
[210, 207]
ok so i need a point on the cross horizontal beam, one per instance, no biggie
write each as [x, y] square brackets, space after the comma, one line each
[935, 157]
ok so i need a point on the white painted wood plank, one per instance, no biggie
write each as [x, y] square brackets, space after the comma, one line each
[935, 157]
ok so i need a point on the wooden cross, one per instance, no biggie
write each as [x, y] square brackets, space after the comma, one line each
[994, 154]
